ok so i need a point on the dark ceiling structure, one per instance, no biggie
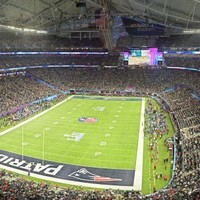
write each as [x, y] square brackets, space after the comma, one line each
[42, 14]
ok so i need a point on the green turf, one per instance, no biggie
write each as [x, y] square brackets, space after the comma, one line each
[109, 143]
[149, 181]
[114, 137]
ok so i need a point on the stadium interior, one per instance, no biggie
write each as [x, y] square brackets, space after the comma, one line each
[51, 49]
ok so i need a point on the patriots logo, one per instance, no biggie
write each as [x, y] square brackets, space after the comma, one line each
[87, 119]
[84, 175]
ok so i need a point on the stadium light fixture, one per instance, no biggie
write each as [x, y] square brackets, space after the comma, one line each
[40, 31]
[190, 31]
[29, 30]
[23, 29]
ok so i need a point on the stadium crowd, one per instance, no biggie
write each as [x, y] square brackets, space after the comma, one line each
[10, 61]
[179, 41]
[18, 90]
[185, 107]
[29, 42]
[143, 80]
[175, 86]
[13, 187]
[33, 42]
[37, 60]
[16, 41]
[173, 41]
[191, 158]
[183, 61]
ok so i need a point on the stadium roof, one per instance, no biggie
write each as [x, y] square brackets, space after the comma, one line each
[42, 14]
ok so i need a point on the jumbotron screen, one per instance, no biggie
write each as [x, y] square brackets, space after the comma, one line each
[142, 57]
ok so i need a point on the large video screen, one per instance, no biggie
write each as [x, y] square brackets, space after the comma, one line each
[142, 57]
[139, 57]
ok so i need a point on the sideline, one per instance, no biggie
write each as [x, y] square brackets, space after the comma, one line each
[137, 184]
[34, 117]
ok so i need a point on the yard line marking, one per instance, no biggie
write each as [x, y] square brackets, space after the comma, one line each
[103, 143]
[126, 140]
[34, 117]
[24, 143]
[137, 184]
[37, 135]
[107, 135]
[97, 153]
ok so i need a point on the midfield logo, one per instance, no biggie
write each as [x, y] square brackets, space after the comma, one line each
[88, 119]
[84, 175]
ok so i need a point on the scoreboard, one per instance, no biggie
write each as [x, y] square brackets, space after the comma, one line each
[142, 57]
[139, 57]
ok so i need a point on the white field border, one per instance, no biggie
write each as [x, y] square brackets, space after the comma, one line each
[137, 184]
[34, 117]
[139, 160]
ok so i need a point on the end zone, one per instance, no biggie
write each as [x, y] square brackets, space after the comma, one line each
[66, 173]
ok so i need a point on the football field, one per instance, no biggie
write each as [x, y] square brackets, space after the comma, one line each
[84, 131]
